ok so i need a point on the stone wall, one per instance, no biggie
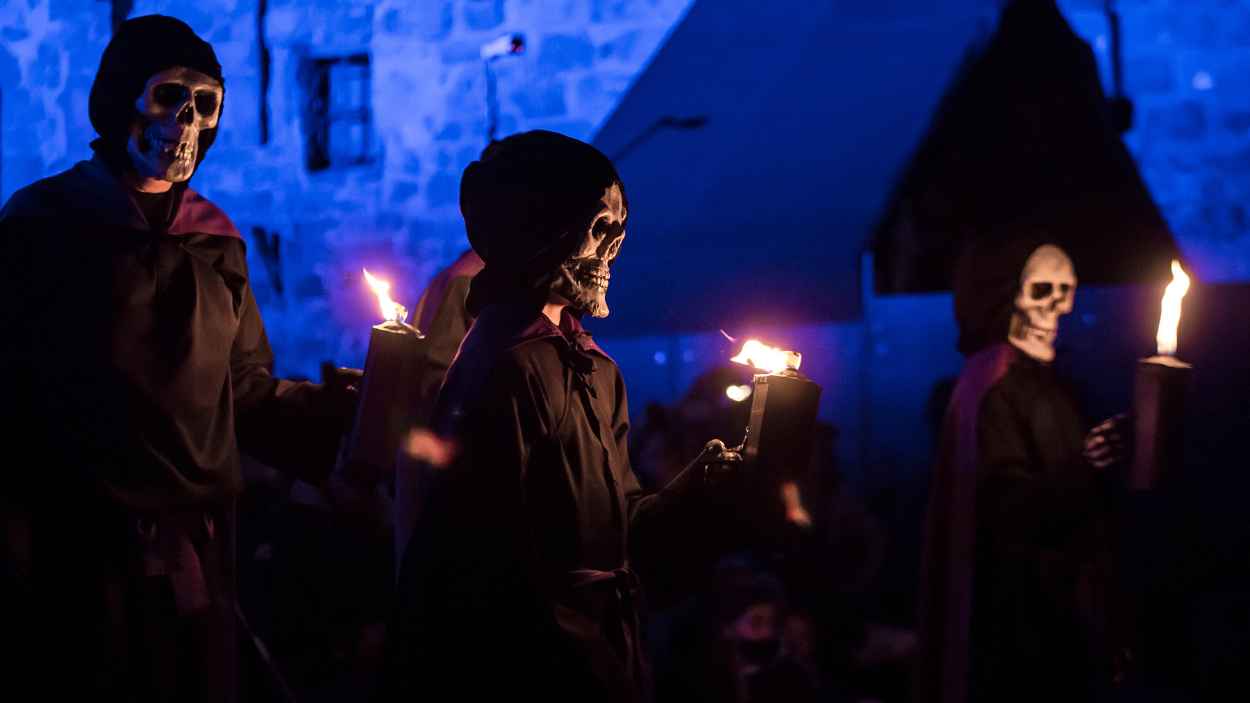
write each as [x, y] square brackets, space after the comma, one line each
[311, 232]
[1187, 68]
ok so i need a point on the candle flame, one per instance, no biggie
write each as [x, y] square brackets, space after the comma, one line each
[765, 358]
[1170, 316]
[391, 310]
[738, 393]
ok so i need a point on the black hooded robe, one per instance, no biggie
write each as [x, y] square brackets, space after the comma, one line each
[522, 576]
[136, 354]
[1013, 600]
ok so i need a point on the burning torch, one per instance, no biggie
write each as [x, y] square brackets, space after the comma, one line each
[1159, 395]
[391, 367]
[782, 425]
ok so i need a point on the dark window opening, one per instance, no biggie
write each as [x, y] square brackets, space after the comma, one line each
[338, 120]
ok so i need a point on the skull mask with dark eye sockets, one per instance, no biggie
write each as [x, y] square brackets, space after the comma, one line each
[176, 106]
[583, 278]
[1047, 292]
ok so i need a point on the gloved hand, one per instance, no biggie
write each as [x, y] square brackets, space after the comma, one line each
[341, 391]
[717, 461]
[1107, 444]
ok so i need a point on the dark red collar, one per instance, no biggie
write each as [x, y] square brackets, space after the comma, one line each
[106, 194]
[508, 326]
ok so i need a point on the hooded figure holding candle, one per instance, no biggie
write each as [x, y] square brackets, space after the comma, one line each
[524, 571]
[1015, 573]
[139, 368]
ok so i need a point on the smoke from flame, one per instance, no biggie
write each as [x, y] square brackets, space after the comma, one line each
[765, 358]
[391, 310]
[1170, 316]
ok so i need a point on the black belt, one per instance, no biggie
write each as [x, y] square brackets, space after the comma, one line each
[626, 587]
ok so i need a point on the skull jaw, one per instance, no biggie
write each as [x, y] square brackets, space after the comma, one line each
[165, 158]
[576, 284]
[1035, 341]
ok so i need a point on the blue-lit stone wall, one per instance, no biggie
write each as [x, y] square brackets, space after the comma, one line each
[1187, 69]
[311, 232]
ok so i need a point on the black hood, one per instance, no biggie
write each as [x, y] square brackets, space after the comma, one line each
[1024, 135]
[987, 280]
[521, 202]
[140, 48]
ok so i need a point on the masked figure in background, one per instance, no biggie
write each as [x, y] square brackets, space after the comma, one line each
[523, 573]
[1014, 573]
[442, 315]
[140, 365]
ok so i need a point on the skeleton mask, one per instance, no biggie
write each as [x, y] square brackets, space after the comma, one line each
[1047, 291]
[583, 277]
[176, 106]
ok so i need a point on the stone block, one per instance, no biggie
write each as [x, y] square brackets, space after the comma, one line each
[466, 155]
[544, 99]
[404, 191]
[47, 70]
[622, 47]
[616, 10]
[562, 52]
[461, 51]
[1237, 122]
[443, 189]
[1151, 74]
[1185, 122]
[450, 132]
[283, 24]
[428, 19]
[598, 92]
[1235, 29]
[483, 14]
[555, 13]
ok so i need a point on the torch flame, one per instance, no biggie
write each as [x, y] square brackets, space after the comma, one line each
[1170, 317]
[391, 310]
[765, 358]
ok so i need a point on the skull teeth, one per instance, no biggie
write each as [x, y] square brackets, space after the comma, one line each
[173, 147]
[593, 275]
[597, 280]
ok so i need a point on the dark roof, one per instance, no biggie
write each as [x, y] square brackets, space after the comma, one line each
[812, 109]
[1023, 143]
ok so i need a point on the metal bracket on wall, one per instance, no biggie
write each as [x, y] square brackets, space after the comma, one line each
[119, 11]
[262, 45]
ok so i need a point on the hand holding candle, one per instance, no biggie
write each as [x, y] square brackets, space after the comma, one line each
[1104, 445]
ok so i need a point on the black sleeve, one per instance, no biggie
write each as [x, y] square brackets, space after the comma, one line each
[1021, 500]
[672, 532]
[294, 427]
[466, 566]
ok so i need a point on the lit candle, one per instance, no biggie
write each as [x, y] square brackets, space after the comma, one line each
[391, 365]
[1159, 395]
[781, 429]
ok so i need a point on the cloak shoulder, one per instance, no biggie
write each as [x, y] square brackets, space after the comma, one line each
[949, 540]
[89, 193]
